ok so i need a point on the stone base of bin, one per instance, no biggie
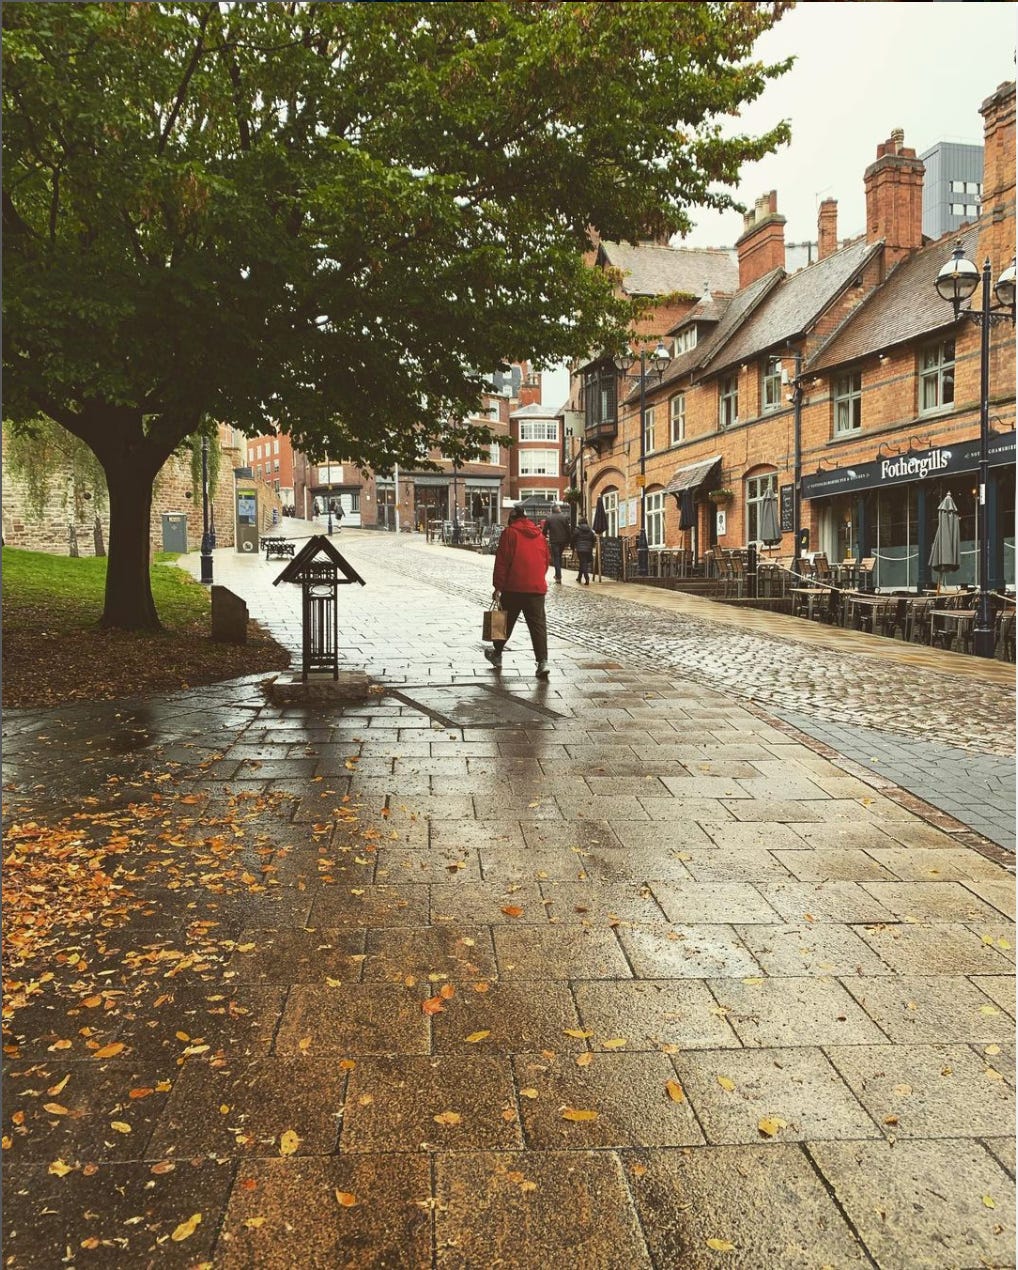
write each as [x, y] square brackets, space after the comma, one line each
[352, 685]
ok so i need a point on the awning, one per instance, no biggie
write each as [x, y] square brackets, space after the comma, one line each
[693, 476]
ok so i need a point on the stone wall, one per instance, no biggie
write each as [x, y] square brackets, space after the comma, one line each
[24, 527]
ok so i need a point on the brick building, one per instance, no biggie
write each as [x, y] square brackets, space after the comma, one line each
[887, 380]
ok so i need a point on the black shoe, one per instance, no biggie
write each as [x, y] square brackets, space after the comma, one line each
[494, 656]
[558, 579]
[542, 670]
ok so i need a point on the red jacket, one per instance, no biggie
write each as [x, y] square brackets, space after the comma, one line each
[522, 559]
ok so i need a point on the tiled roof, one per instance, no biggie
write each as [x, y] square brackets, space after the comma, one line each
[652, 270]
[710, 308]
[737, 310]
[906, 307]
[793, 306]
[693, 475]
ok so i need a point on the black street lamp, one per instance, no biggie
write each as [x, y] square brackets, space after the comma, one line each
[206, 536]
[658, 361]
[955, 283]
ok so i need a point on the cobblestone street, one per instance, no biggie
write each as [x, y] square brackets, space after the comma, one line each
[652, 964]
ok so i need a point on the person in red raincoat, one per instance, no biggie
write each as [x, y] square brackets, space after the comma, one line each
[522, 560]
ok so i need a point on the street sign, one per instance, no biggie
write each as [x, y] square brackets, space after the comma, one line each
[641, 481]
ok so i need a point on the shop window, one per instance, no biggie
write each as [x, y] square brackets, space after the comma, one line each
[936, 376]
[654, 518]
[728, 402]
[770, 386]
[848, 403]
[677, 415]
[757, 487]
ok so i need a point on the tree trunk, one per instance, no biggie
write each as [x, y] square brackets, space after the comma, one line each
[129, 604]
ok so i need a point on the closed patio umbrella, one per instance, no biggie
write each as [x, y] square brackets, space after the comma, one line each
[600, 521]
[945, 554]
[770, 525]
[687, 510]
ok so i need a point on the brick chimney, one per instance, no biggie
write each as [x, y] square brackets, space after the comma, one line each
[530, 388]
[762, 245]
[827, 228]
[996, 220]
[894, 198]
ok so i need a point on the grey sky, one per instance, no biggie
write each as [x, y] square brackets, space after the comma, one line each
[863, 69]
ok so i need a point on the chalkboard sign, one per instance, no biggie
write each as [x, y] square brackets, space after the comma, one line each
[611, 557]
[787, 509]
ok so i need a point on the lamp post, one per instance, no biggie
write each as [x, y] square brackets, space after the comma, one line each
[658, 361]
[796, 397]
[206, 537]
[955, 283]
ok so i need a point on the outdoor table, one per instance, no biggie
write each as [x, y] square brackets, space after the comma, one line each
[862, 609]
[951, 626]
[807, 597]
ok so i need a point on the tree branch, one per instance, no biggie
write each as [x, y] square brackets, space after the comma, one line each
[192, 66]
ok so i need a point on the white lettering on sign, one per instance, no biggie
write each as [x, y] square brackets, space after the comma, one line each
[895, 469]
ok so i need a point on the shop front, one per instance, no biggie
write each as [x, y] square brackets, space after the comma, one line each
[887, 509]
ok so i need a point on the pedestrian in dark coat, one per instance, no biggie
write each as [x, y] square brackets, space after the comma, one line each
[521, 583]
[583, 544]
[558, 532]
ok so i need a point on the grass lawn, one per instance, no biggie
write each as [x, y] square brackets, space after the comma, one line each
[54, 651]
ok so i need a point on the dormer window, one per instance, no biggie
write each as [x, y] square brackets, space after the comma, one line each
[685, 339]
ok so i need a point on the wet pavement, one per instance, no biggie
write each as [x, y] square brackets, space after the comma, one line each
[652, 964]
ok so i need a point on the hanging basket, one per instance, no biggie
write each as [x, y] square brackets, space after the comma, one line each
[721, 496]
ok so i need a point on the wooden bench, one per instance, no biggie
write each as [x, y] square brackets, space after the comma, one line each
[277, 548]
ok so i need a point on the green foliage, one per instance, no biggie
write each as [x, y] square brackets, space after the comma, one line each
[41, 450]
[337, 218]
[71, 591]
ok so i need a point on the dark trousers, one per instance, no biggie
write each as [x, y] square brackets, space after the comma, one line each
[556, 558]
[584, 560]
[532, 608]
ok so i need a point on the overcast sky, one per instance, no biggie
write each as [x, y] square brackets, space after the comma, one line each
[862, 69]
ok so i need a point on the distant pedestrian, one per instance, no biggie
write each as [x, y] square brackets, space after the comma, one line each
[339, 514]
[583, 544]
[521, 582]
[558, 532]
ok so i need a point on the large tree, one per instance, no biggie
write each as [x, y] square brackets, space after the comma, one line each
[334, 217]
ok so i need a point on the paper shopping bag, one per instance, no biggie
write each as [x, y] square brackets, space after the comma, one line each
[495, 624]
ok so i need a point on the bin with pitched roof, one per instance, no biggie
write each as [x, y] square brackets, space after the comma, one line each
[317, 568]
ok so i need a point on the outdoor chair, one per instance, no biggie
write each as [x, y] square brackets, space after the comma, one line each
[918, 621]
[1005, 641]
[865, 573]
[822, 569]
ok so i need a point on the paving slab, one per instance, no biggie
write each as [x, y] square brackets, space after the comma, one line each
[535, 1210]
[350, 1020]
[703, 1207]
[246, 1108]
[819, 948]
[948, 948]
[795, 1094]
[794, 1011]
[617, 1099]
[699, 902]
[927, 1091]
[918, 1009]
[283, 1208]
[660, 1014]
[923, 1203]
[511, 1017]
[687, 951]
[393, 1101]
[559, 952]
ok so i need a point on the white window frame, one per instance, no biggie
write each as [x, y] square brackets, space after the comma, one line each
[538, 430]
[756, 488]
[654, 518]
[611, 507]
[538, 463]
[495, 454]
[728, 402]
[677, 417]
[936, 376]
[847, 398]
[770, 386]
[648, 430]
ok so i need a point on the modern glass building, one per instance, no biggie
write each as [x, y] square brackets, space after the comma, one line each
[952, 186]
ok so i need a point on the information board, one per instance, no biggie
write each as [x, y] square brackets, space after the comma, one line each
[787, 509]
[611, 557]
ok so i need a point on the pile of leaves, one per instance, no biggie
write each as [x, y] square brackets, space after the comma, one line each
[49, 668]
[55, 652]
